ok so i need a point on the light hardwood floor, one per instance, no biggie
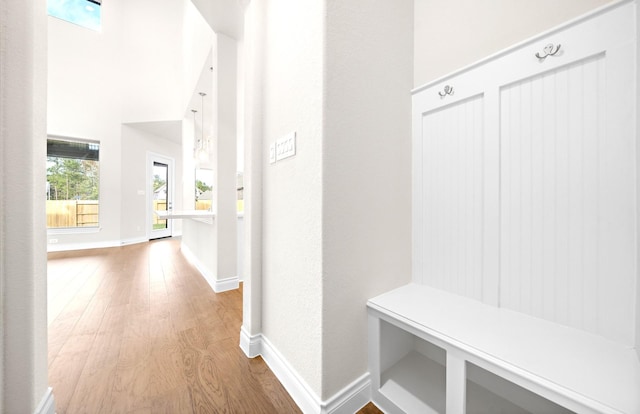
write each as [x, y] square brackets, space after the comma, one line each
[136, 329]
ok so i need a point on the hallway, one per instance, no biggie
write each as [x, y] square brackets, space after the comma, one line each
[136, 329]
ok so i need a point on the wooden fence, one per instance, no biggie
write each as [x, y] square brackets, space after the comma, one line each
[72, 213]
[85, 213]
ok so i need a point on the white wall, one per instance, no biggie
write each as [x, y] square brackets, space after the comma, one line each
[367, 173]
[292, 189]
[151, 57]
[638, 157]
[452, 34]
[84, 101]
[254, 158]
[134, 71]
[198, 46]
[23, 296]
[336, 216]
[134, 157]
[224, 156]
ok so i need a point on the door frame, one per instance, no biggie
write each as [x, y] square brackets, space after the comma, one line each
[170, 162]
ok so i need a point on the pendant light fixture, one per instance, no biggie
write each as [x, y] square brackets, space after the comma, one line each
[196, 142]
[202, 149]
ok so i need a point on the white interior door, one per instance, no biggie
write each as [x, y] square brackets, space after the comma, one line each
[160, 184]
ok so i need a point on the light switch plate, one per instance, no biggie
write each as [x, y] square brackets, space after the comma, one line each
[272, 153]
[286, 147]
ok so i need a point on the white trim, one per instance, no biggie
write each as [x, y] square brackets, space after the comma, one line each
[133, 240]
[63, 247]
[47, 404]
[351, 398]
[218, 285]
[193, 259]
[170, 162]
[223, 285]
[346, 401]
[562, 26]
[297, 387]
[73, 230]
[251, 345]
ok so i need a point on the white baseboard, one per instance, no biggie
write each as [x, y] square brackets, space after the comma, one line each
[250, 345]
[347, 401]
[47, 404]
[351, 398]
[299, 390]
[63, 247]
[135, 240]
[223, 285]
[218, 285]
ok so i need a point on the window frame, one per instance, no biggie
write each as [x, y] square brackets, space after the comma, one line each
[78, 19]
[78, 229]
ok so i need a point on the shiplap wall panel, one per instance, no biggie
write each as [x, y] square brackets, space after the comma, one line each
[563, 240]
[452, 196]
[558, 167]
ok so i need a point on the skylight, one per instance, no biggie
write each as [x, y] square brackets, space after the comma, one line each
[85, 13]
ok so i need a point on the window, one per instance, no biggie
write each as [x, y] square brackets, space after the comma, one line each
[73, 181]
[204, 187]
[85, 13]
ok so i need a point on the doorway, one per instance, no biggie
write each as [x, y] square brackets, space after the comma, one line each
[160, 185]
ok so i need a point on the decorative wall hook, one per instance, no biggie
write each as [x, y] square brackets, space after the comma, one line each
[549, 50]
[448, 90]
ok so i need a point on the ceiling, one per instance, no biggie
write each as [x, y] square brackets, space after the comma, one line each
[171, 130]
[224, 16]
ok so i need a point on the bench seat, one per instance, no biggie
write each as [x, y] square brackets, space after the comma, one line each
[575, 369]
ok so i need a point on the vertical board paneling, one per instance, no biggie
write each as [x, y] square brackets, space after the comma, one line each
[452, 197]
[563, 236]
[525, 181]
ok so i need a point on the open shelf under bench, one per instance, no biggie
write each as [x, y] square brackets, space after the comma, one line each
[574, 369]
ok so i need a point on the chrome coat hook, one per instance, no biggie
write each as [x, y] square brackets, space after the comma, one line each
[448, 90]
[549, 50]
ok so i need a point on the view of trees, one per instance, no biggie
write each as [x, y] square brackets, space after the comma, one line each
[72, 179]
[201, 187]
[157, 182]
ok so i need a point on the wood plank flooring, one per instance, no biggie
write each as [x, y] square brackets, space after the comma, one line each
[136, 329]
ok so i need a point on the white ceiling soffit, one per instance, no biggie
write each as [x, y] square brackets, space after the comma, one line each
[224, 16]
[171, 130]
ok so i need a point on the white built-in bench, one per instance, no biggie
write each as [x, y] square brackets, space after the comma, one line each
[426, 344]
[525, 236]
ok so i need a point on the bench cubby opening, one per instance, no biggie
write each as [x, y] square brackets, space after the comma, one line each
[413, 371]
[488, 393]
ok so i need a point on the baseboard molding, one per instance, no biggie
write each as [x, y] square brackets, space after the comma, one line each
[351, 398]
[47, 404]
[224, 285]
[63, 247]
[299, 390]
[218, 285]
[347, 401]
[251, 345]
[135, 240]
